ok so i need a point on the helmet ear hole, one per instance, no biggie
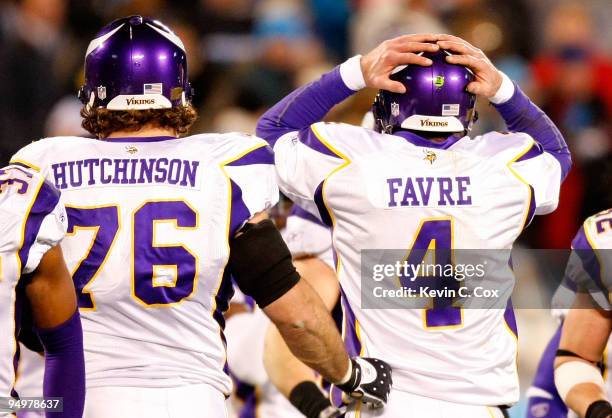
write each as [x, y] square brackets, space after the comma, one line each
[82, 94]
[381, 118]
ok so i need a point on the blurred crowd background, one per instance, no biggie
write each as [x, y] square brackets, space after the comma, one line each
[244, 55]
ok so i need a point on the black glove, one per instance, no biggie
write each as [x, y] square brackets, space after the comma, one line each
[310, 401]
[599, 409]
[370, 381]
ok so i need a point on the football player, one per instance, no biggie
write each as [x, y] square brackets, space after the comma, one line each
[157, 224]
[33, 274]
[310, 244]
[419, 182]
[588, 324]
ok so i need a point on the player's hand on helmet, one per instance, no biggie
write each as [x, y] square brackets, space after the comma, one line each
[370, 381]
[378, 64]
[488, 78]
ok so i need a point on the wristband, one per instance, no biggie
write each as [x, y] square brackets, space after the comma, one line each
[505, 92]
[350, 71]
[599, 409]
[308, 399]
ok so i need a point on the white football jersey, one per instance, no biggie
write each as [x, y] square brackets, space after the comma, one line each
[148, 242]
[383, 192]
[32, 221]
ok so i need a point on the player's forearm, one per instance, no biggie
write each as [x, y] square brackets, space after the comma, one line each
[309, 104]
[522, 115]
[582, 396]
[65, 366]
[283, 368]
[309, 331]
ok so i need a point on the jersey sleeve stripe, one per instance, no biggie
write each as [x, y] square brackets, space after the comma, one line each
[352, 343]
[324, 212]
[239, 212]
[43, 203]
[531, 200]
[313, 140]
[510, 319]
[260, 155]
[532, 152]
[297, 211]
[25, 164]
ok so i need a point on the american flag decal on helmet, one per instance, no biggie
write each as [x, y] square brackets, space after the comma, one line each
[153, 88]
[450, 109]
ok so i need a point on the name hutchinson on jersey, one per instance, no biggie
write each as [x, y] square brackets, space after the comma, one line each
[105, 171]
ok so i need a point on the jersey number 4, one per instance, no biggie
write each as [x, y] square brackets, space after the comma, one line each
[436, 234]
[149, 260]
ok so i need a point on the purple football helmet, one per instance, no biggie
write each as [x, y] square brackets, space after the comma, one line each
[436, 99]
[136, 63]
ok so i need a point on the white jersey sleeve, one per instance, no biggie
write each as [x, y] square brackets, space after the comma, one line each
[254, 177]
[526, 160]
[303, 161]
[541, 171]
[43, 215]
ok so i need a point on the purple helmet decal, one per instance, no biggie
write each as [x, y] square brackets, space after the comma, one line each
[436, 99]
[136, 63]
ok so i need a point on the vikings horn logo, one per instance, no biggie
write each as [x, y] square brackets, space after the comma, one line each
[430, 156]
[438, 81]
[131, 149]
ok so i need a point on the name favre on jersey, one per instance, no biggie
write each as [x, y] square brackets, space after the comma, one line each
[429, 191]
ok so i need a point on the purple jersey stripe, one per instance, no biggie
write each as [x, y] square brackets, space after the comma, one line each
[532, 208]
[510, 319]
[311, 140]
[262, 155]
[222, 298]
[44, 203]
[140, 139]
[351, 343]
[239, 213]
[323, 212]
[535, 150]
[298, 212]
[19, 302]
[351, 339]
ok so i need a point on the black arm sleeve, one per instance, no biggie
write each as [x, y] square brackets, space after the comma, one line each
[261, 264]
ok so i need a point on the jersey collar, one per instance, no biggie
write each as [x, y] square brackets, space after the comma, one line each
[419, 141]
[140, 139]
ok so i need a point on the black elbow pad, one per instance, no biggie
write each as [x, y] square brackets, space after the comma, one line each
[261, 263]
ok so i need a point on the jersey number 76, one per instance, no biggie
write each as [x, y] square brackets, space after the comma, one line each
[147, 256]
